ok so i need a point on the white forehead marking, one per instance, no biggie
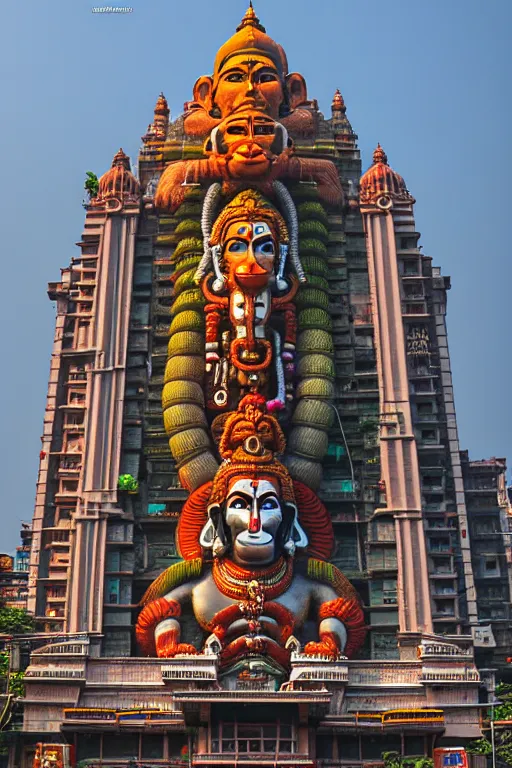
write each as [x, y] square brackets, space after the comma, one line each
[260, 228]
[245, 486]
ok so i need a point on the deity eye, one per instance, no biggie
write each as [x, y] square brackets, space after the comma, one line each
[238, 503]
[265, 249]
[270, 504]
[268, 77]
[237, 246]
[263, 130]
[237, 130]
[235, 77]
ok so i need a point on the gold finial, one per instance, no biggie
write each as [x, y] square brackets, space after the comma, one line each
[338, 103]
[161, 107]
[379, 156]
[250, 20]
[120, 158]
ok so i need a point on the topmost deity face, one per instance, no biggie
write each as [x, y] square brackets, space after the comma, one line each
[252, 83]
[250, 72]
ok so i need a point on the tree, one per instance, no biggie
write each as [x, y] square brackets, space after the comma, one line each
[15, 621]
[91, 185]
[502, 734]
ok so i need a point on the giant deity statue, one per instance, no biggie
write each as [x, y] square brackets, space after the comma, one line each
[250, 358]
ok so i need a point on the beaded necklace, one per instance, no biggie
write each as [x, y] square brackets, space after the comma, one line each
[233, 580]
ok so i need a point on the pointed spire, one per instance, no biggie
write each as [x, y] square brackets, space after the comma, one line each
[379, 156]
[118, 182]
[338, 104]
[161, 117]
[161, 107]
[380, 179]
[250, 20]
[120, 158]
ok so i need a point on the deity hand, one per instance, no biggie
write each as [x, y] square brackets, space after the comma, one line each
[329, 645]
[157, 630]
[167, 637]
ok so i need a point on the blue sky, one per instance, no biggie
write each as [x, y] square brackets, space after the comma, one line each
[429, 80]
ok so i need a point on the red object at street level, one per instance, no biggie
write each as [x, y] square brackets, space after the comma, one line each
[444, 757]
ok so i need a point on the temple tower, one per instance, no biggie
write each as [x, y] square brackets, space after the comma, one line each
[385, 206]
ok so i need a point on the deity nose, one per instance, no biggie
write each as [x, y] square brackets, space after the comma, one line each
[255, 520]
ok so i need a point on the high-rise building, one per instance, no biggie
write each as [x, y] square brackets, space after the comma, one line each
[250, 541]
[490, 522]
[14, 572]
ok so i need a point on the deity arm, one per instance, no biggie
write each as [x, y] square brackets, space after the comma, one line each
[171, 190]
[341, 626]
[323, 172]
[158, 630]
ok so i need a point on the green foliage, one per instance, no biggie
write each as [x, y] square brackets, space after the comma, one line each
[17, 684]
[394, 760]
[128, 483]
[502, 734]
[391, 759]
[504, 710]
[15, 621]
[91, 185]
[479, 747]
[4, 664]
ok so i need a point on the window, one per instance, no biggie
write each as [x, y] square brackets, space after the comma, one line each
[348, 747]
[491, 567]
[383, 529]
[121, 746]
[245, 738]
[382, 559]
[383, 592]
[118, 591]
[152, 747]
[88, 746]
[113, 562]
[444, 607]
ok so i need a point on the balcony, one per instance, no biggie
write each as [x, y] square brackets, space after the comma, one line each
[67, 466]
[258, 758]
[362, 314]
[414, 308]
[54, 673]
[394, 674]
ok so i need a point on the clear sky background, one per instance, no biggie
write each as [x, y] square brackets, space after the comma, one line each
[429, 79]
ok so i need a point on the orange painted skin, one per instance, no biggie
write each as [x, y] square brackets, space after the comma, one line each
[248, 83]
[249, 257]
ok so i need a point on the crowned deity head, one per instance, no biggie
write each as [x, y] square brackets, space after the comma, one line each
[250, 233]
[250, 73]
[252, 512]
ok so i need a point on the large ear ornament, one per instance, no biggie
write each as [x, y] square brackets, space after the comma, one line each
[203, 90]
[208, 535]
[297, 534]
[281, 140]
[297, 90]
[295, 538]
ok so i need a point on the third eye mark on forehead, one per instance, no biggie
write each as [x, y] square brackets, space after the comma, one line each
[252, 66]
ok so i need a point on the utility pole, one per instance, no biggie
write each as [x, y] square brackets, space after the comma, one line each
[493, 743]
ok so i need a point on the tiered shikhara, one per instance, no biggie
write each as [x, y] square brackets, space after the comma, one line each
[251, 343]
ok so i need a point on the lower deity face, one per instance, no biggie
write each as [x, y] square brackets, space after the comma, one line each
[249, 142]
[249, 255]
[253, 516]
[248, 82]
